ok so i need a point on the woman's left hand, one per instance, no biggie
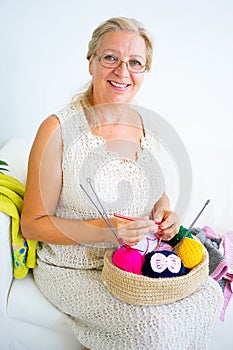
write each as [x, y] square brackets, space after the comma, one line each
[169, 223]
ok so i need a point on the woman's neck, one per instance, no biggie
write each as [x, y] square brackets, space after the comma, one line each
[114, 113]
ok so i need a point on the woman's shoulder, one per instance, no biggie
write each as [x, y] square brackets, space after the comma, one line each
[48, 130]
[68, 112]
[49, 125]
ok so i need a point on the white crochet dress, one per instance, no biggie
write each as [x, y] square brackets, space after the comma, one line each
[69, 276]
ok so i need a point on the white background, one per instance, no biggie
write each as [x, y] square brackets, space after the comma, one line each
[43, 64]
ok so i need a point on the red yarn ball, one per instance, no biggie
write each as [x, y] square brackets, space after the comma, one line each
[128, 259]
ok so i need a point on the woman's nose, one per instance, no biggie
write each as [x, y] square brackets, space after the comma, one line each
[122, 69]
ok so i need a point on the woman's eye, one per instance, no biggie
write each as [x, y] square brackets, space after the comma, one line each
[110, 58]
[135, 63]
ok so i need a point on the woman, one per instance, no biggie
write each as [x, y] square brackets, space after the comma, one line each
[101, 137]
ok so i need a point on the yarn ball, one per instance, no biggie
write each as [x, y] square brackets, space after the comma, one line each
[164, 263]
[165, 246]
[191, 252]
[177, 238]
[128, 259]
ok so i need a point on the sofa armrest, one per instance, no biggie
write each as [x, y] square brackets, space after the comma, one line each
[15, 152]
[6, 265]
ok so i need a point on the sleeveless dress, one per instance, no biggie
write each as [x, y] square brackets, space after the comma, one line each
[70, 276]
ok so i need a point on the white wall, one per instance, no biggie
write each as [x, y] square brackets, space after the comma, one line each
[43, 64]
[43, 47]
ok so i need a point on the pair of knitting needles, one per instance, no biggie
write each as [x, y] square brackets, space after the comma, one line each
[102, 212]
[104, 215]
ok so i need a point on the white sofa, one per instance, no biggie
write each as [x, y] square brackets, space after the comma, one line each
[29, 321]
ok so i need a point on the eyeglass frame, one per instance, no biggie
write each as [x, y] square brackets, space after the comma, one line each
[120, 62]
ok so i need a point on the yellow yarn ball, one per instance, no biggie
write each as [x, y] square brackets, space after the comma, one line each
[191, 252]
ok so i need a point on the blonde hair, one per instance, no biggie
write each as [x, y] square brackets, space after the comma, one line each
[111, 25]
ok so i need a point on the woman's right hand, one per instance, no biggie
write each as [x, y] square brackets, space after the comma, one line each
[132, 232]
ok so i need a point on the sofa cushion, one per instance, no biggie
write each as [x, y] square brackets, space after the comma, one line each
[33, 319]
[27, 303]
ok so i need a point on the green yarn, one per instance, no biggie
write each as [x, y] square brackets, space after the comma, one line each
[177, 238]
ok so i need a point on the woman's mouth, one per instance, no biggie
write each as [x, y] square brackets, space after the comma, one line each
[120, 86]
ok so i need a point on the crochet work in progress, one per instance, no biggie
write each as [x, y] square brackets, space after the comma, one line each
[70, 276]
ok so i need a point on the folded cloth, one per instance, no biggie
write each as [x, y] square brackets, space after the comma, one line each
[217, 262]
[220, 251]
[227, 280]
[11, 201]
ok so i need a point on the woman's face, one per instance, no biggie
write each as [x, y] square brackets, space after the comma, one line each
[117, 84]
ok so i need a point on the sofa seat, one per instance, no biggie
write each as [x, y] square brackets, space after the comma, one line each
[22, 305]
[31, 313]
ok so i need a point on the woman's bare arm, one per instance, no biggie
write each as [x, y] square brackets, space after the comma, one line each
[44, 182]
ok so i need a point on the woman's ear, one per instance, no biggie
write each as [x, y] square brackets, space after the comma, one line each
[90, 65]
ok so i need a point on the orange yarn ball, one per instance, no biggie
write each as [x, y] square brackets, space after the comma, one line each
[191, 252]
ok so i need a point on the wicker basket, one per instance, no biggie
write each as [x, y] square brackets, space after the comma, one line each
[142, 290]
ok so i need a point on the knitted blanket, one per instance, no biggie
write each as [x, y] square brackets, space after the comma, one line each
[223, 273]
[11, 200]
[220, 249]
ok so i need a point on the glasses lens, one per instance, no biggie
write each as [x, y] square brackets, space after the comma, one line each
[109, 60]
[136, 65]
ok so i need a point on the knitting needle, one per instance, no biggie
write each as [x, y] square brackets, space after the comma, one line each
[124, 217]
[103, 214]
[106, 219]
[131, 219]
[194, 221]
[197, 217]
[134, 219]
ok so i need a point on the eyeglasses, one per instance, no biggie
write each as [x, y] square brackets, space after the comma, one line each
[111, 61]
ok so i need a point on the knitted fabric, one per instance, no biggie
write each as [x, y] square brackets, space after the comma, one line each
[11, 200]
[70, 276]
[217, 262]
[118, 183]
[147, 244]
[225, 268]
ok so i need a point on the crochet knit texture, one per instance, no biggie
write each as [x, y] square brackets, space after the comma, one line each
[69, 276]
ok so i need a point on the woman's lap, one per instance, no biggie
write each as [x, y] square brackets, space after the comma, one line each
[100, 321]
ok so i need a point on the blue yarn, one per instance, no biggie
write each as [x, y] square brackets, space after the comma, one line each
[147, 268]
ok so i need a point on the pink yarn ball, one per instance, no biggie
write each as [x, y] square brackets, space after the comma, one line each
[129, 260]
